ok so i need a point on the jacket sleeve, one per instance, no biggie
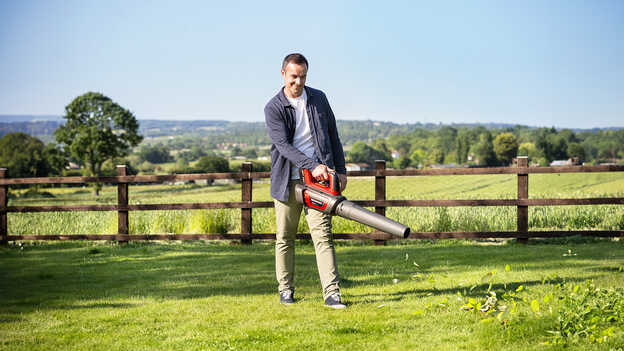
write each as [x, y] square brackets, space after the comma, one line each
[277, 132]
[338, 153]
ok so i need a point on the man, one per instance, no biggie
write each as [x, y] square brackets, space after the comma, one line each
[302, 126]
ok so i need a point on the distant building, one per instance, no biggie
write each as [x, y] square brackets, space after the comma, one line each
[574, 161]
[72, 165]
[357, 166]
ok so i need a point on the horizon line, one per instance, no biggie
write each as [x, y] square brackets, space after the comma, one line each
[193, 119]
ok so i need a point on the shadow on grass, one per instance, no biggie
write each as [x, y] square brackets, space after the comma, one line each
[75, 276]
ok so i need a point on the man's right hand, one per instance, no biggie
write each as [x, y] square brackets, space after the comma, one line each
[320, 173]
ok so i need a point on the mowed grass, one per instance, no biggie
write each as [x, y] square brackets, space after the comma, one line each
[207, 296]
[579, 185]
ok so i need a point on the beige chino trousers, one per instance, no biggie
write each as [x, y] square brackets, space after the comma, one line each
[287, 216]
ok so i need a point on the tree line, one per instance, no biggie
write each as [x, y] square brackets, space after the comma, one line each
[99, 134]
[484, 147]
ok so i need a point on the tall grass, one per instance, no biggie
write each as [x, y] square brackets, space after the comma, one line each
[426, 219]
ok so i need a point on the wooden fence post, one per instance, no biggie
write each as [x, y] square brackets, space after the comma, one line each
[4, 194]
[380, 193]
[246, 168]
[523, 193]
[122, 203]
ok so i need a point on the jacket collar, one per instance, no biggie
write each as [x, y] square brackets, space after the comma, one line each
[284, 100]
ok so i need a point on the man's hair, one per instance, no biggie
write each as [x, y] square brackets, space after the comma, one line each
[294, 58]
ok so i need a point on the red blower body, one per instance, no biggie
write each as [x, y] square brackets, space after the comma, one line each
[325, 197]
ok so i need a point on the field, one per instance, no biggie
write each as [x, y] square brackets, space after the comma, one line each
[607, 217]
[413, 296]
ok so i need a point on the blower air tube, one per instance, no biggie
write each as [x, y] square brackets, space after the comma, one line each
[349, 210]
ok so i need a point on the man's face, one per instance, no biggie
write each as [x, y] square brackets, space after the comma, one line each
[294, 79]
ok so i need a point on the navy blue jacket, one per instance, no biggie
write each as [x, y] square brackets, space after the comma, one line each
[281, 122]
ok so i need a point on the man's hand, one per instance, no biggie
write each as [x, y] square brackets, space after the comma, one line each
[320, 173]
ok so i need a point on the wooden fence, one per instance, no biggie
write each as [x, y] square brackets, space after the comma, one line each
[522, 202]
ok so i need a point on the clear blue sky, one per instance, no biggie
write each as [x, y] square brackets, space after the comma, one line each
[540, 63]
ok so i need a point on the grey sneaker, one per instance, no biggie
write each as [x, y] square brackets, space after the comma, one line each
[287, 297]
[333, 301]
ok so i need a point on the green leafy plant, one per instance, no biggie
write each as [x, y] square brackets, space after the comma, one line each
[588, 312]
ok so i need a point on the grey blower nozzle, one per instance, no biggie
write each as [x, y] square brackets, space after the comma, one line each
[349, 210]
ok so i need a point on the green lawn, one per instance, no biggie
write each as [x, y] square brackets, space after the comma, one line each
[207, 296]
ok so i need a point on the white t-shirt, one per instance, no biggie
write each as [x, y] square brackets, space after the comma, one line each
[303, 138]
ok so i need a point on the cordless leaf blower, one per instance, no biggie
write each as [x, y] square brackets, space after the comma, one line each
[325, 197]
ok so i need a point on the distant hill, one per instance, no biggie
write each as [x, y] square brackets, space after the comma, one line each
[253, 133]
[29, 118]
[43, 130]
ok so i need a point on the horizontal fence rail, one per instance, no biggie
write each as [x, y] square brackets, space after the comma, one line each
[246, 176]
[258, 175]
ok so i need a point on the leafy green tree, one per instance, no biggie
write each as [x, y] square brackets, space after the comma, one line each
[97, 129]
[402, 162]
[576, 150]
[552, 145]
[417, 157]
[446, 139]
[195, 153]
[27, 156]
[401, 145]
[484, 150]
[506, 147]
[381, 146]
[462, 145]
[236, 151]
[436, 156]
[529, 149]
[155, 154]
[210, 164]
[360, 152]
[182, 166]
[608, 150]
[250, 154]
[57, 159]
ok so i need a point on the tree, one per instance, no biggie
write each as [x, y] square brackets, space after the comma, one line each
[484, 150]
[417, 157]
[462, 145]
[552, 145]
[360, 152]
[506, 147]
[446, 139]
[250, 154]
[576, 150]
[27, 156]
[236, 151]
[381, 146]
[436, 156]
[402, 162]
[194, 154]
[155, 154]
[529, 149]
[97, 129]
[209, 164]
